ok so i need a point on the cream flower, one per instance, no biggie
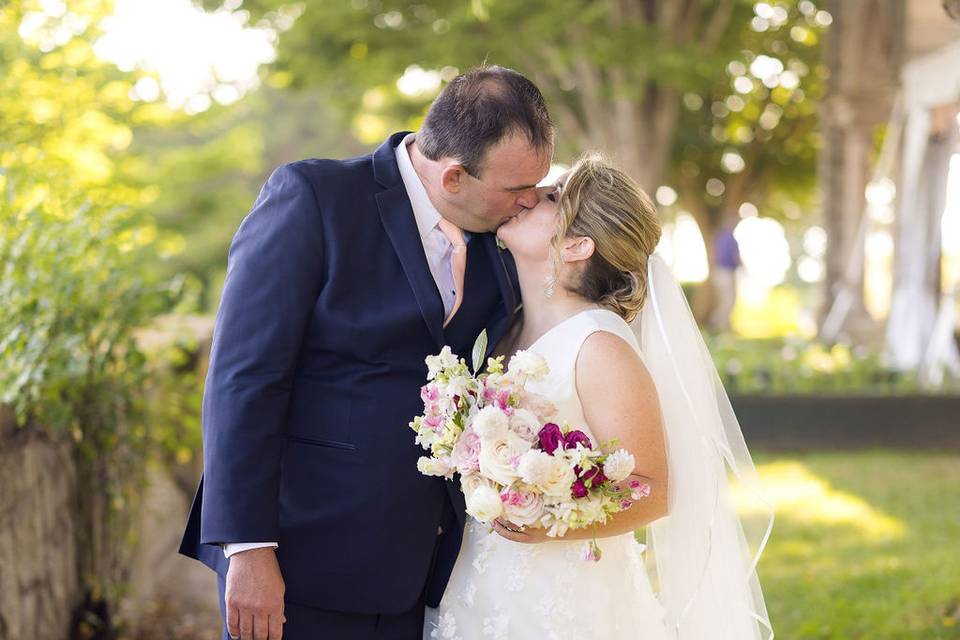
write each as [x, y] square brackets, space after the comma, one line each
[499, 456]
[529, 365]
[591, 510]
[619, 465]
[534, 467]
[434, 467]
[490, 423]
[444, 360]
[483, 502]
[525, 424]
[426, 437]
[553, 476]
[469, 484]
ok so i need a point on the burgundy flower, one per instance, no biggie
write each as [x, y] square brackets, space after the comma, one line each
[578, 489]
[551, 437]
[595, 476]
[572, 439]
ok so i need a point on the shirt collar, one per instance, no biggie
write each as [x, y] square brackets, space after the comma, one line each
[425, 213]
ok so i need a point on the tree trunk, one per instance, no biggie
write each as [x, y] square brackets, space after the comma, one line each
[863, 53]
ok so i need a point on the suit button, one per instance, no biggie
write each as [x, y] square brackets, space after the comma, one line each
[439, 531]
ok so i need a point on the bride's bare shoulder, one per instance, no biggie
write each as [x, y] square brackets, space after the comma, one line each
[608, 364]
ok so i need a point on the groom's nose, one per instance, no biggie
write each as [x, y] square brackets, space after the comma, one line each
[528, 198]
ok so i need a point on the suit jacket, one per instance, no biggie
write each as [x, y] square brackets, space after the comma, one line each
[328, 311]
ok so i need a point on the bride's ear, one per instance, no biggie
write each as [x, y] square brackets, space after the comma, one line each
[577, 249]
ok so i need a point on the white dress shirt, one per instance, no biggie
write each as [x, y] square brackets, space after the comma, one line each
[437, 249]
[435, 244]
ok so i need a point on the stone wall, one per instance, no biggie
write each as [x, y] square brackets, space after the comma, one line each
[39, 577]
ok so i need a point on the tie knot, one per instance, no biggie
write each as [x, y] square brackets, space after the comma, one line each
[453, 232]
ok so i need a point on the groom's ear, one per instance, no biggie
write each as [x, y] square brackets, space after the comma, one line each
[577, 249]
[452, 177]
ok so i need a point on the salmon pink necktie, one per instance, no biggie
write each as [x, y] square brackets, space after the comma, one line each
[458, 261]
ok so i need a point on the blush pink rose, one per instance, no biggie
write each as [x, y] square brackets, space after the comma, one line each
[539, 406]
[466, 453]
[522, 505]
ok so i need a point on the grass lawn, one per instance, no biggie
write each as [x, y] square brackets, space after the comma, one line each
[866, 545]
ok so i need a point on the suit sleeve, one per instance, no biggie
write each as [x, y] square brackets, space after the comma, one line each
[274, 275]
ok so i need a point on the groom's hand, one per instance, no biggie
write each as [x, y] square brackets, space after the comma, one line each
[254, 595]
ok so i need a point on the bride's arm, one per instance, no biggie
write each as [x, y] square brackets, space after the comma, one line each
[620, 402]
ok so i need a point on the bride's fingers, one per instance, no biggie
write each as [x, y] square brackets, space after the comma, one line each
[508, 531]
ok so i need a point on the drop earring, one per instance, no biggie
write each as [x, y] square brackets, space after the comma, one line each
[549, 282]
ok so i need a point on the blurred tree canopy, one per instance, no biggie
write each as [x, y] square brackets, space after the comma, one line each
[207, 170]
[716, 98]
[74, 240]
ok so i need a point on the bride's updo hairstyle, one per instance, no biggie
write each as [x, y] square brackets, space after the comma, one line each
[603, 203]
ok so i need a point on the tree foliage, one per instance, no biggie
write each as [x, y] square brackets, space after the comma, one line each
[619, 75]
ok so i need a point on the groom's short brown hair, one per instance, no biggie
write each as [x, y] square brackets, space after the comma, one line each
[477, 110]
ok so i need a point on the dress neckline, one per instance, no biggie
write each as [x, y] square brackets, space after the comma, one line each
[563, 322]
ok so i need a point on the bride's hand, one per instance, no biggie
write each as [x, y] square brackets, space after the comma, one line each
[516, 533]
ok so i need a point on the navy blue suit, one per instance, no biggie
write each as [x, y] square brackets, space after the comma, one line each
[328, 311]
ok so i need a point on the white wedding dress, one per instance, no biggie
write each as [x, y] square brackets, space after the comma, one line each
[508, 590]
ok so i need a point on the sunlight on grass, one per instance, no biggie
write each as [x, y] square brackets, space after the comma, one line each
[802, 496]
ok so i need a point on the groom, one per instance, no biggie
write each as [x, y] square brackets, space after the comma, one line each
[340, 281]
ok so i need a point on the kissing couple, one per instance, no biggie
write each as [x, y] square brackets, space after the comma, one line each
[343, 278]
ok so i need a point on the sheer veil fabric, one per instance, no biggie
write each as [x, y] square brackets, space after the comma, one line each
[701, 556]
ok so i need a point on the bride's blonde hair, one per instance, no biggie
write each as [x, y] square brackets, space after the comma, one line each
[603, 203]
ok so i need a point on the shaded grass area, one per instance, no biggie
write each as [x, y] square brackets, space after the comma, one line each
[866, 545]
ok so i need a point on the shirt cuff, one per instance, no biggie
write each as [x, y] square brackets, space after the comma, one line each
[231, 548]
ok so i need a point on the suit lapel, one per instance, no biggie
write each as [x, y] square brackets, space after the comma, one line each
[506, 279]
[396, 214]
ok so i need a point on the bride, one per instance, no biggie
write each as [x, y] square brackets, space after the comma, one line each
[627, 363]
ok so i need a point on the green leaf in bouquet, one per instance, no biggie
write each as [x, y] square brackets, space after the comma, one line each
[479, 351]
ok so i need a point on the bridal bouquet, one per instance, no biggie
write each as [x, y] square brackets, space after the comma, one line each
[513, 460]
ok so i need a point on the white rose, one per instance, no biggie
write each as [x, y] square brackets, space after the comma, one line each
[561, 477]
[499, 456]
[529, 365]
[490, 422]
[483, 503]
[619, 465]
[553, 476]
[469, 484]
[525, 424]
